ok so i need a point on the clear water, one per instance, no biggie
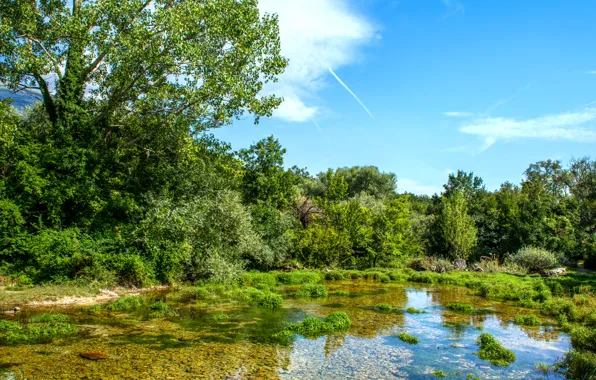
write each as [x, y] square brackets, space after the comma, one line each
[195, 346]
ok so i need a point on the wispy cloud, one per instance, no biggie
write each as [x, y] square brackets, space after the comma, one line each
[315, 35]
[407, 185]
[592, 72]
[458, 114]
[453, 7]
[572, 126]
[351, 92]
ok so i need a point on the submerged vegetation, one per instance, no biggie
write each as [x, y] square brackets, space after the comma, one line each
[313, 327]
[527, 320]
[39, 329]
[464, 308]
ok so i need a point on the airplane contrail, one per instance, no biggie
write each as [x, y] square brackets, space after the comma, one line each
[351, 92]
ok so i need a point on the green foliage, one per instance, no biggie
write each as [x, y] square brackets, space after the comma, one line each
[492, 351]
[528, 320]
[312, 291]
[297, 277]
[270, 301]
[342, 293]
[49, 318]
[464, 308]
[413, 310]
[410, 339]
[41, 329]
[533, 259]
[159, 305]
[220, 317]
[578, 365]
[457, 226]
[313, 327]
[383, 307]
[128, 303]
[440, 374]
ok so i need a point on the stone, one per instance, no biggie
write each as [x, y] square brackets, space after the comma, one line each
[459, 264]
[93, 355]
[477, 268]
[555, 272]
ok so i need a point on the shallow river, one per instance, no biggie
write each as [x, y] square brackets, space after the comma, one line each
[194, 345]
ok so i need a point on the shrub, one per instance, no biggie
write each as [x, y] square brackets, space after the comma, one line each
[297, 277]
[583, 338]
[533, 259]
[527, 320]
[465, 308]
[270, 301]
[256, 279]
[492, 351]
[579, 365]
[202, 293]
[335, 275]
[128, 303]
[410, 339]
[312, 291]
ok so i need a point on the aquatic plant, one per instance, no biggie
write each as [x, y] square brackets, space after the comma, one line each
[342, 293]
[413, 310]
[95, 308]
[335, 275]
[257, 279]
[128, 303]
[269, 301]
[313, 327]
[15, 333]
[220, 317]
[527, 320]
[543, 368]
[410, 339]
[202, 293]
[465, 308]
[578, 364]
[49, 318]
[439, 374]
[159, 305]
[312, 291]
[383, 307]
[492, 351]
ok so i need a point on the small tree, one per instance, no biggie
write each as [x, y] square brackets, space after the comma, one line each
[457, 227]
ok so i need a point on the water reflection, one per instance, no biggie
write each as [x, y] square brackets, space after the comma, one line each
[194, 345]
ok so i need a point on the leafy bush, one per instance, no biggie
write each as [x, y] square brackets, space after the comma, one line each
[270, 301]
[297, 277]
[410, 339]
[578, 364]
[335, 275]
[312, 291]
[465, 308]
[492, 351]
[533, 259]
[528, 320]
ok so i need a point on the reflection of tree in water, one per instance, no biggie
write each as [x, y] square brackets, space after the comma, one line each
[545, 333]
[333, 343]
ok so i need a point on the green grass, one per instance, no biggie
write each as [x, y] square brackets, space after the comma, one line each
[312, 291]
[45, 293]
[40, 329]
[342, 293]
[49, 318]
[159, 305]
[296, 277]
[492, 351]
[410, 339]
[413, 310]
[464, 308]
[220, 317]
[527, 320]
[128, 303]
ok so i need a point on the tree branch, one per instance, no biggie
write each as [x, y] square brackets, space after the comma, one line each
[48, 101]
[46, 51]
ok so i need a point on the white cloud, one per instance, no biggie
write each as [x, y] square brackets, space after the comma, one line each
[458, 114]
[407, 185]
[572, 126]
[592, 72]
[315, 35]
[351, 92]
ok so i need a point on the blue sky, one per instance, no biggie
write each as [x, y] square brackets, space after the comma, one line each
[487, 86]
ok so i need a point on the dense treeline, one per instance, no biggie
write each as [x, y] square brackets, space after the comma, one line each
[193, 208]
[113, 176]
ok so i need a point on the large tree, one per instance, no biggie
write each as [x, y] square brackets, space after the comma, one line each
[197, 62]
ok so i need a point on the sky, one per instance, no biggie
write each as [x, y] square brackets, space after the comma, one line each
[422, 88]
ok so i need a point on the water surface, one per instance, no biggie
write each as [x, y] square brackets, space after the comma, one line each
[195, 346]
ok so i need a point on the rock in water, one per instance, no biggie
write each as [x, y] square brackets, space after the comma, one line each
[93, 355]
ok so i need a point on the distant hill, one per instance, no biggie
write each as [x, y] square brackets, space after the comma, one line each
[21, 99]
